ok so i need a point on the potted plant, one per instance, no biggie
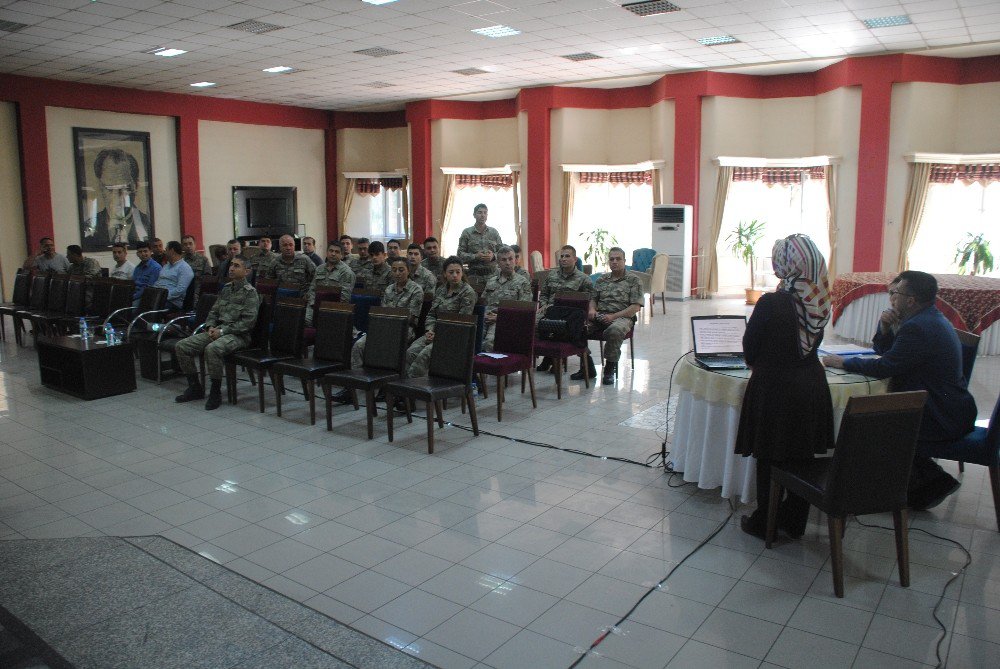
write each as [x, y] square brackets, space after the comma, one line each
[599, 243]
[743, 243]
[974, 255]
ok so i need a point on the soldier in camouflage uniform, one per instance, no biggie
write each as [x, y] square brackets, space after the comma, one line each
[454, 296]
[262, 263]
[403, 293]
[229, 324]
[517, 262]
[81, 266]
[331, 274]
[479, 243]
[433, 262]
[376, 275]
[507, 285]
[290, 268]
[358, 262]
[199, 263]
[566, 278]
[617, 299]
[418, 273]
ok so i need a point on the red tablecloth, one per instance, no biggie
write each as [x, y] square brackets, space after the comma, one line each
[971, 303]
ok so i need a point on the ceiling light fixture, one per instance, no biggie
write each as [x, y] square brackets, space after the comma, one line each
[203, 84]
[377, 2]
[166, 52]
[651, 7]
[471, 71]
[586, 55]
[379, 84]
[378, 52]
[718, 39]
[280, 69]
[255, 27]
[497, 31]
[887, 21]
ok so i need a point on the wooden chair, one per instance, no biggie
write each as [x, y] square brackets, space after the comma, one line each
[970, 347]
[18, 299]
[559, 351]
[868, 473]
[515, 339]
[449, 375]
[288, 318]
[37, 299]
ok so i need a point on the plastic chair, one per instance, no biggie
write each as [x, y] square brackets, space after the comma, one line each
[332, 352]
[868, 473]
[642, 260]
[535, 263]
[384, 360]
[284, 342]
[515, 339]
[658, 282]
[449, 375]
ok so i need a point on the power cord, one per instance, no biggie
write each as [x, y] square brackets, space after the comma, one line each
[661, 456]
[934, 611]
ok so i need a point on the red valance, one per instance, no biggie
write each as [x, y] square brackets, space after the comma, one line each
[493, 181]
[628, 178]
[946, 174]
[777, 175]
[375, 186]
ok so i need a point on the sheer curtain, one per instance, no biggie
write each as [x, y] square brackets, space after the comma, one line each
[913, 209]
[348, 203]
[710, 278]
[447, 203]
[497, 191]
[831, 204]
[571, 181]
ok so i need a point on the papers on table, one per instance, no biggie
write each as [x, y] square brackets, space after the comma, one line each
[845, 349]
[494, 355]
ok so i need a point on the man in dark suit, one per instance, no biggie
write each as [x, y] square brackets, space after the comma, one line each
[920, 351]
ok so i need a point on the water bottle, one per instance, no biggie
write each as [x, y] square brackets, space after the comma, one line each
[109, 334]
[84, 331]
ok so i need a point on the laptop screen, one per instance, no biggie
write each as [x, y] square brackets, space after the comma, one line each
[718, 335]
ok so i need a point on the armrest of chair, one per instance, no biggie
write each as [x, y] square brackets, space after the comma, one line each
[116, 312]
[142, 317]
[172, 323]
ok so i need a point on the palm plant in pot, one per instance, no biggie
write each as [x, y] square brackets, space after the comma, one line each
[974, 255]
[743, 243]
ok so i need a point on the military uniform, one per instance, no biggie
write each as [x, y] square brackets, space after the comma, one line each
[235, 312]
[87, 267]
[410, 297]
[523, 272]
[462, 301]
[434, 265]
[557, 282]
[326, 277]
[425, 278]
[262, 263]
[472, 243]
[199, 264]
[612, 295]
[299, 272]
[376, 278]
[499, 287]
[358, 265]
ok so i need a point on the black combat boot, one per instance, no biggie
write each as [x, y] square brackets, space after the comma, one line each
[578, 376]
[194, 391]
[545, 365]
[344, 397]
[610, 372]
[215, 395]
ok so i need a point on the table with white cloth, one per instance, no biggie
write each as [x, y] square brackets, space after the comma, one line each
[708, 417]
[971, 303]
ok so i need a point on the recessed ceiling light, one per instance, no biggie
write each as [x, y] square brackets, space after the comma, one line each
[471, 71]
[887, 21]
[586, 55]
[203, 84]
[378, 52]
[651, 7]
[277, 70]
[377, 2]
[497, 31]
[718, 39]
[166, 52]
[255, 27]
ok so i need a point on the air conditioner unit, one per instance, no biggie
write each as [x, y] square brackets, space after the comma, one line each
[672, 233]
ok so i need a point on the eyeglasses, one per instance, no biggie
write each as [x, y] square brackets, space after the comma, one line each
[899, 292]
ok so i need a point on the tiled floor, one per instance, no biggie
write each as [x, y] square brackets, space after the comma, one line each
[493, 553]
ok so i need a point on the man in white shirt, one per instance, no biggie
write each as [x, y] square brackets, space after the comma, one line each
[123, 268]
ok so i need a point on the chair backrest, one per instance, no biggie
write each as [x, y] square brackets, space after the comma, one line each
[871, 464]
[659, 280]
[39, 292]
[454, 348]
[425, 309]
[266, 286]
[120, 296]
[334, 323]
[251, 251]
[535, 263]
[209, 284]
[22, 286]
[385, 346]
[189, 295]
[642, 259]
[205, 303]
[76, 296]
[153, 298]
[993, 436]
[100, 297]
[572, 298]
[288, 289]
[288, 320]
[515, 331]
[56, 300]
[477, 282]
[262, 326]
[970, 347]
[213, 253]
[364, 299]
[479, 311]
[324, 294]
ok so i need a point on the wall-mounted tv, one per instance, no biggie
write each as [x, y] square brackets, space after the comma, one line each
[264, 211]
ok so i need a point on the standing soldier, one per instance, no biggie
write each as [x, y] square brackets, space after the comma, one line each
[507, 285]
[478, 244]
[229, 325]
[617, 299]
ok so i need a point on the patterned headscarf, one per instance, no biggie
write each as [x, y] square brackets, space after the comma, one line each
[802, 270]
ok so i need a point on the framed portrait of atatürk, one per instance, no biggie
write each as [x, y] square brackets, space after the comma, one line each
[114, 187]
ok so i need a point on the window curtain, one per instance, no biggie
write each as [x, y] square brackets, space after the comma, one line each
[570, 182]
[946, 174]
[710, 275]
[406, 209]
[447, 200]
[517, 213]
[348, 203]
[913, 209]
[777, 175]
[492, 181]
[657, 187]
[831, 200]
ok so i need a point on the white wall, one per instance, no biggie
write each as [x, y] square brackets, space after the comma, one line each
[237, 154]
[837, 133]
[367, 150]
[12, 251]
[62, 170]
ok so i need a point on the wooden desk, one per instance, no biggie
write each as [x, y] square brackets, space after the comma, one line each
[88, 370]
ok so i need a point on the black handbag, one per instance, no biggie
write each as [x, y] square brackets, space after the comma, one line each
[562, 323]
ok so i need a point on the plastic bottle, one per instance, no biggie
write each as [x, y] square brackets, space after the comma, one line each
[109, 334]
[84, 330]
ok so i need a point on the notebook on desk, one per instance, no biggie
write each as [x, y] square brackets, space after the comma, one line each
[718, 341]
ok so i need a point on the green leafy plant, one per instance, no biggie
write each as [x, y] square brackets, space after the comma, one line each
[743, 243]
[599, 243]
[974, 255]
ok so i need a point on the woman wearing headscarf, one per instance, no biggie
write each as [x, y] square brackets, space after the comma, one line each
[787, 413]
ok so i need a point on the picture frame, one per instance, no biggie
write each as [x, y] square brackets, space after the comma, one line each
[114, 187]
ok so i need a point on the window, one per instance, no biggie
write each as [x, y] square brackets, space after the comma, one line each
[789, 205]
[385, 215]
[626, 210]
[951, 211]
[499, 201]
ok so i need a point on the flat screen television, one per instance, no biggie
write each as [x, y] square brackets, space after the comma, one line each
[264, 211]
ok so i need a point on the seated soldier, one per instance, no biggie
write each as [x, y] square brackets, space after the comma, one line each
[334, 273]
[567, 279]
[506, 285]
[81, 266]
[198, 262]
[454, 296]
[423, 276]
[229, 325]
[432, 258]
[517, 262]
[362, 259]
[290, 268]
[375, 275]
[262, 263]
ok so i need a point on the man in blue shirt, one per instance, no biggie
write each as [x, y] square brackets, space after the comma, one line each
[175, 276]
[146, 272]
[920, 351]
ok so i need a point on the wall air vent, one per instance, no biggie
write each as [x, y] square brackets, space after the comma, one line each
[586, 55]
[255, 27]
[471, 71]
[651, 7]
[379, 84]
[378, 52]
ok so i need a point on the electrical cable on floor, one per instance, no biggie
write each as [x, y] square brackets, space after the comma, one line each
[955, 575]
[663, 453]
[614, 628]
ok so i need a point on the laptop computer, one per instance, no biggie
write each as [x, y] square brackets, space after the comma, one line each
[718, 341]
